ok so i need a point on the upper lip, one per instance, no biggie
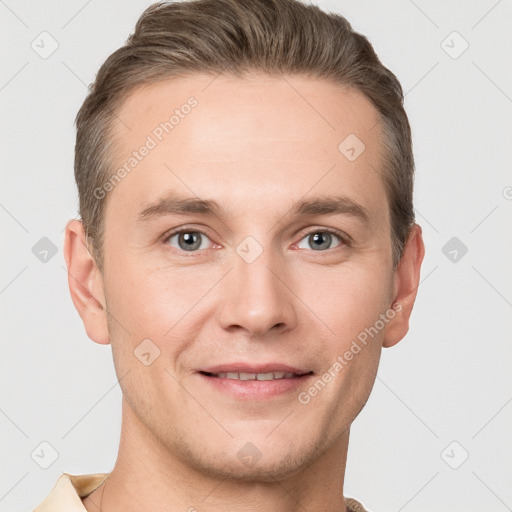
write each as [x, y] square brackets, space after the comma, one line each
[254, 368]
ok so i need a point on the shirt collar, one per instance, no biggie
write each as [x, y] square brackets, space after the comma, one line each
[67, 493]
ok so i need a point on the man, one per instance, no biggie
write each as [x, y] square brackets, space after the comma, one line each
[247, 246]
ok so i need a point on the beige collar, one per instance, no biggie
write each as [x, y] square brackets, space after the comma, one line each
[67, 493]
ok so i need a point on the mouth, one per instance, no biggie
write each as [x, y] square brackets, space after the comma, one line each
[252, 382]
[276, 375]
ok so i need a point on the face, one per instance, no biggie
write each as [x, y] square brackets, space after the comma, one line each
[244, 241]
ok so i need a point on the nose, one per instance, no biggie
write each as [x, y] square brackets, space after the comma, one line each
[257, 297]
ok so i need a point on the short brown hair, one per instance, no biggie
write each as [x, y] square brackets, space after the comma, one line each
[237, 36]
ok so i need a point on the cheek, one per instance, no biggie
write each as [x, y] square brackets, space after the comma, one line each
[348, 299]
[350, 303]
[145, 345]
[163, 306]
[148, 301]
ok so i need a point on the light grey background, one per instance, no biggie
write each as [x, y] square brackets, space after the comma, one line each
[448, 380]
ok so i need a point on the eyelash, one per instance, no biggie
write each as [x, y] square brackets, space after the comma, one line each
[344, 239]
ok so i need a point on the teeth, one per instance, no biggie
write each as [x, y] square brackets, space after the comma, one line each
[255, 376]
[265, 376]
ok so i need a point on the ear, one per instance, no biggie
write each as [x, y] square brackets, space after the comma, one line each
[407, 279]
[85, 283]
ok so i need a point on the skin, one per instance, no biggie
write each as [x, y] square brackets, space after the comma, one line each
[257, 147]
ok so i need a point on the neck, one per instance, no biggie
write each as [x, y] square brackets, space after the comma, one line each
[149, 476]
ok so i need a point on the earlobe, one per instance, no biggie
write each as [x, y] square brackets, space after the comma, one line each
[85, 283]
[407, 278]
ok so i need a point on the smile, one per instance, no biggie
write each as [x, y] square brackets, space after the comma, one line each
[254, 376]
[244, 381]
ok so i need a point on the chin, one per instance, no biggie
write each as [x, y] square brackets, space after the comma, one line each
[250, 461]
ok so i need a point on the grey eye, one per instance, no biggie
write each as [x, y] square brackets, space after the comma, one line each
[319, 240]
[189, 240]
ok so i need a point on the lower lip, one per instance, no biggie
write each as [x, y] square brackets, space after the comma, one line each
[254, 389]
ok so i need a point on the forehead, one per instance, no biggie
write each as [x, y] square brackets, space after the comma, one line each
[250, 141]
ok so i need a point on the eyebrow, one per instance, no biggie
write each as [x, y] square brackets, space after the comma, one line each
[172, 204]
